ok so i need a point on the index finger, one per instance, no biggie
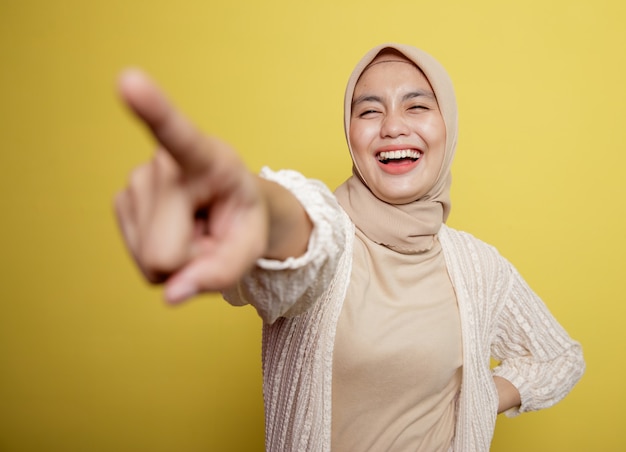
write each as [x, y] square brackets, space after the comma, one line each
[173, 131]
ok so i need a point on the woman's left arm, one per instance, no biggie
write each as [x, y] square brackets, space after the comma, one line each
[539, 362]
[508, 395]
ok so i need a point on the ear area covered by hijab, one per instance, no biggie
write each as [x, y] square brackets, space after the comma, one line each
[407, 228]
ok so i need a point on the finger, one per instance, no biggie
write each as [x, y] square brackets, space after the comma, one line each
[140, 193]
[125, 221]
[166, 244]
[218, 263]
[127, 224]
[212, 271]
[174, 131]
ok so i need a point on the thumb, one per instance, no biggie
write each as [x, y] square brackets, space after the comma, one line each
[178, 136]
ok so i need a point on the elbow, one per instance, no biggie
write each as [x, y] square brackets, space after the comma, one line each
[579, 366]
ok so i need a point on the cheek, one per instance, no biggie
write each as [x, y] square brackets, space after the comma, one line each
[437, 151]
[362, 133]
[435, 133]
[357, 140]
[435, 128]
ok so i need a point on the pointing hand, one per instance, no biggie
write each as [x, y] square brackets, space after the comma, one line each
[193, 217]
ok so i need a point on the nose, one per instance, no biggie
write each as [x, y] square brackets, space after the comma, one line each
[394, 125]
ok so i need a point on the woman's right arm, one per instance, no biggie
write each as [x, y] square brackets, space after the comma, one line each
[288, 287]
[194, 217]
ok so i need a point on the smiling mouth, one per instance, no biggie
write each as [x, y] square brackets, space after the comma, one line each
[386, 157]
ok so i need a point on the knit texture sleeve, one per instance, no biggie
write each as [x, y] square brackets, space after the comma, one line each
[288, 288]
[536, 354]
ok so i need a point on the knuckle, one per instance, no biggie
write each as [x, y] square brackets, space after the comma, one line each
[138, 178]
[165, 166]
[158, 262]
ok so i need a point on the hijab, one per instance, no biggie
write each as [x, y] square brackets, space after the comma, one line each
[406, 228]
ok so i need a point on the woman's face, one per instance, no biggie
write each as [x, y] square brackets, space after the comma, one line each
[397, 133]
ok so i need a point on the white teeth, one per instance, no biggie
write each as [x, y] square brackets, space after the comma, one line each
[405, 153]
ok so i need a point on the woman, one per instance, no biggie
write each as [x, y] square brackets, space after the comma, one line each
[379, 321]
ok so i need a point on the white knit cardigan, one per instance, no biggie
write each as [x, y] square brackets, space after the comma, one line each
[300, 301]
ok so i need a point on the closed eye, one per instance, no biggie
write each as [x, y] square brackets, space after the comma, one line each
[367, 113]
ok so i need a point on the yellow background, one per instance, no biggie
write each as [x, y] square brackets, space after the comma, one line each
[92, 360]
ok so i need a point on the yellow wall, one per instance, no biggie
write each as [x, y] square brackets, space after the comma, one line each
[90, 359]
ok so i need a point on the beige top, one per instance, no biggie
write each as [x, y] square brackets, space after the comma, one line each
[398, 353]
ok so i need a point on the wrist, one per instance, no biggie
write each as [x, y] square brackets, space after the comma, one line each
[288, 223]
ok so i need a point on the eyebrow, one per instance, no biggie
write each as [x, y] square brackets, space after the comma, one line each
[407, 96]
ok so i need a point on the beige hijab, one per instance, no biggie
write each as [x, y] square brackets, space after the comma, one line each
[406, 228]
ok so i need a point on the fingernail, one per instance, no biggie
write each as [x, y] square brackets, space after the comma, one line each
[179, 291]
